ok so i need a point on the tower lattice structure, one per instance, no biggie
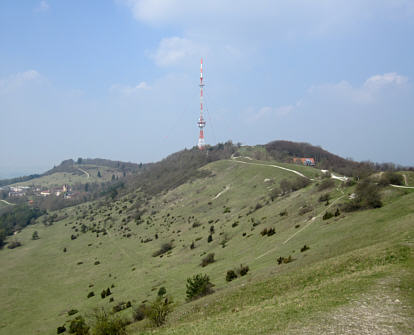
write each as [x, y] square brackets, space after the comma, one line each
[201, 123]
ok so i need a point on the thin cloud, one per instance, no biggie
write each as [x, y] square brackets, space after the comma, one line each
[43, 6]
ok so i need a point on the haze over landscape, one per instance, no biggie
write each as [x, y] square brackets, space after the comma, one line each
[218, 167]
[81, 79]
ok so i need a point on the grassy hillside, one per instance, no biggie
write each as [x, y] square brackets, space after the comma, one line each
[81, 175]
[351, 258]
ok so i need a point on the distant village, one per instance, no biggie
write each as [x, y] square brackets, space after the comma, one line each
[21, 191]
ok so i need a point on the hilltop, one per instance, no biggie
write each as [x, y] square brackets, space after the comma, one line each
[326, 252]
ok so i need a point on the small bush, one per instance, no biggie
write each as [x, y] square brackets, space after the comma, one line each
[226, 210]
[72, 312]
[304, 248]
[231, 274]
[207, 260]
[73, 237]
[284, 260]
[235, 224]
[242, 270]
[121, 306]
[283, 213]
[327, 215]
[91, 294]
[78, 326]
[60, 330]
[210, 238]
[325, 184]
[337, 212]
[390, 177]
[97, 263]
[165, 247]
[192, 246]
[106, 324]
[139, 312]
[268, 232]
[198, 286]
[162, 291]
[158, 311]
[14, 244]
[35, 235]
[324, 197]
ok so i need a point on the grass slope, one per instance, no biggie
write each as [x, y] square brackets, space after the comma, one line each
[348, 255]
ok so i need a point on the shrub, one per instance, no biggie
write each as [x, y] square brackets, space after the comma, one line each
[78, 326]
[231, 274]
[91, 294]
[121, 306]
[242, 270]
[268, 231]
[106, 324]
[337, 212]
[165, 247]
[72, 312]
[226, 210]
[162, 291]
[207, 260]
[211, 229]
[97, 263]
[284, 260]
[327, 215]
[390, 177]
[235, 224]
[192, 246]
[210, 238]
[158, 311]
[73, 237]
[283, 213]
[103, 294]
[139, 312]
[14, 244]
[198, 286]
[35, 235]
[60, 329]
[324, 197]
[325, 184]
[304, 248]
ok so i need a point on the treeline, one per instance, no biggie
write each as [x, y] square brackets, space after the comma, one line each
[17, 218]
[286, 150]
[178, 168]
[123, 166]
[5, 182]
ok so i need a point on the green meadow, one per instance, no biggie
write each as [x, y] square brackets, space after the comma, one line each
[352, 258]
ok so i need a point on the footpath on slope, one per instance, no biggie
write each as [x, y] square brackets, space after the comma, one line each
[234, 159]
[7, 203]
[382, 310]
[85, 172]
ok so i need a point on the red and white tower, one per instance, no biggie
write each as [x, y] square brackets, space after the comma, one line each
[201, 123]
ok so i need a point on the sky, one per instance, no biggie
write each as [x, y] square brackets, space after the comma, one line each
[118, 79]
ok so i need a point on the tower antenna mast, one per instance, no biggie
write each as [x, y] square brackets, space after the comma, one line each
[201, 123]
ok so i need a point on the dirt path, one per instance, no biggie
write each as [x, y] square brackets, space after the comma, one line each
[405, 180]
[7, 203]
[234, 159]
[399, 186]
[85, 172]
[220, 193]
[381, 311]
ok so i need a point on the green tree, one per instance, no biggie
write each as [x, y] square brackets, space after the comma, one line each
[198, 286]
[159, 309]
[35, 235]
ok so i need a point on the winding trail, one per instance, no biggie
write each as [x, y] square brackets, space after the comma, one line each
[234, 159]
[85, 172]
[7, 203]
[220, 193]
[400, 186]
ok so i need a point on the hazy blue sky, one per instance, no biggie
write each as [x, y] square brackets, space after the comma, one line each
[118, 79]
